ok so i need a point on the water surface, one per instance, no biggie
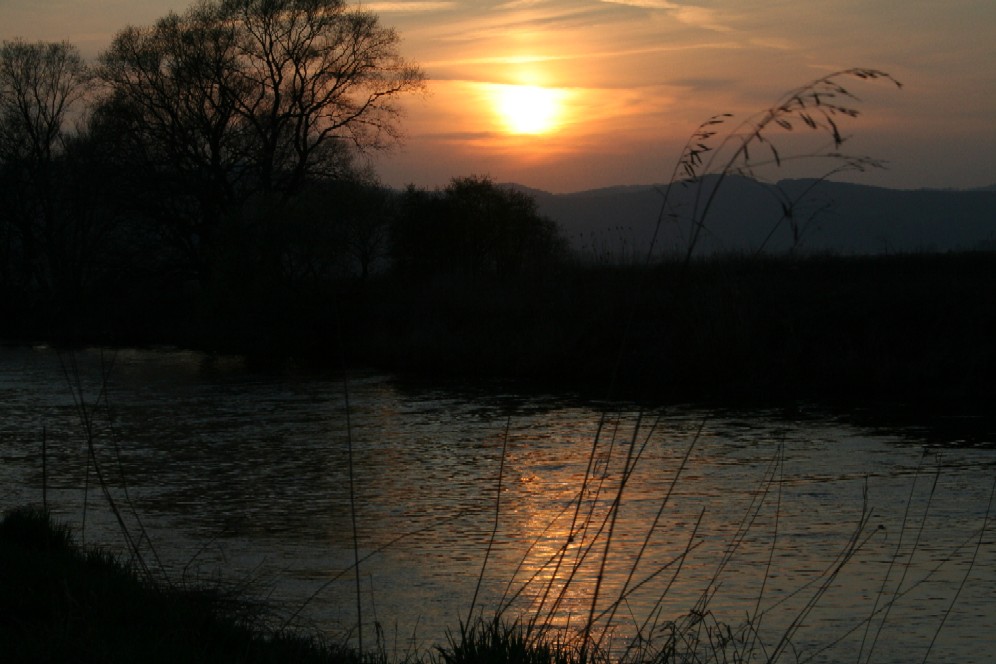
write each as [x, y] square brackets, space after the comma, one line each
[245, 475]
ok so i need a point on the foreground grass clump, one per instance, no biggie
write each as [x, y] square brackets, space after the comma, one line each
[497, 641]
[60, 603]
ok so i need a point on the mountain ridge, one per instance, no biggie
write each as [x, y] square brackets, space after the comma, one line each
[617, 223]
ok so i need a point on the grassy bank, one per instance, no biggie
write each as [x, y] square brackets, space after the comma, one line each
[61, 603]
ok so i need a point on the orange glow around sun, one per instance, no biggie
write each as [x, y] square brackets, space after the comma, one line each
[528, 109]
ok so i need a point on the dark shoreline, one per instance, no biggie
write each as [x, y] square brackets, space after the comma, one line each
[63, 602]
[902, 332]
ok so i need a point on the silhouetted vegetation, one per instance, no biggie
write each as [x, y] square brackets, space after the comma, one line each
[473, 229]
[177, 171]
[61, 603]
[859, 330]
[191, 199]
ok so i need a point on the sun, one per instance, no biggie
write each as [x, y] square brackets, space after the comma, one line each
[528, 109]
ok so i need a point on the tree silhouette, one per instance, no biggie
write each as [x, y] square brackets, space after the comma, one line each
[239, 100]
[474, 227]
[41, 85]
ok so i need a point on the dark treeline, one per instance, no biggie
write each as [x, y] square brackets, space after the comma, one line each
[872, 331]
[203, 185]
[214, 155]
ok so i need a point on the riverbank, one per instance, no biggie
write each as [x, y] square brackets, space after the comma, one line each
[896, 331]
[62, 603]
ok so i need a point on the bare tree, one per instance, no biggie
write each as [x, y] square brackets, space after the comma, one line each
[41, 86]
[313, 74]
[252, 98]
[170, 106]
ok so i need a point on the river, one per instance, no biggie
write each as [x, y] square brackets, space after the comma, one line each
[857, 543]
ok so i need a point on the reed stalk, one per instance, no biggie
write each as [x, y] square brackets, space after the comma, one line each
[494, 529]
[968, 572]
[87, 414]
[352, 514]
[899, 544]
[820, 106]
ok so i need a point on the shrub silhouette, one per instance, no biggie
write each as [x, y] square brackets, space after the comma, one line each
[473, 228]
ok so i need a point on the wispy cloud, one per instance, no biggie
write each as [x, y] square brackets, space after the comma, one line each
[775, 43]
[586, 56]
[514, 22]
[701, 17]
[518, 4]
[645, 4]
[411, 7]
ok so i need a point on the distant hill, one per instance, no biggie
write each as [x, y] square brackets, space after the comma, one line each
[617, 223]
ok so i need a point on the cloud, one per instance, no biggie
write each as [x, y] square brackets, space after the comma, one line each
[502, 22]
[775, 43]
[689, 14]
[411, 7]
[701, 17]
[462, 136]
[587, 57]
[518, 4]
[645, 4]
[704, 84]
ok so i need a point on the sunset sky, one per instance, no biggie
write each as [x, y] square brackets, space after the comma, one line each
[614, 88]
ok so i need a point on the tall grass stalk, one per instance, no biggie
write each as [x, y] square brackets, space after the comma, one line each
[352, 513]
[860, 536]
[377, 551]
[974, 539]
[610, 612]
[572, 532]
[86, 414]
[45, 469]
[654, 636]
[612, 519]
[756, 625]
[494, 529]
[820, 106]
[906, 567]
[968, 573]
